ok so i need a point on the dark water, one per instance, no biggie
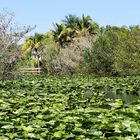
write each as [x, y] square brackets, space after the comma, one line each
[127, 98]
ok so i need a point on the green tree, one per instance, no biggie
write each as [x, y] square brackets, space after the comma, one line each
[104, 51]
[73, 28]
[62, 35]
[127, 60]
[32, 44]
[82, 26]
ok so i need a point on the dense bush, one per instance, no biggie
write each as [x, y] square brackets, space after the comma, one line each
[115, 52]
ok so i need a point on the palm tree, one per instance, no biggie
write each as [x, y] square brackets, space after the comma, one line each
[33, 42]
[62, 34]
[73, 28]
[56, 33]
[87, 26]
[32, 49]
[81, 26]
[71, 21]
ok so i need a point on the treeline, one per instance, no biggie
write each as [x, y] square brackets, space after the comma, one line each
[78, 45]
[115, 52]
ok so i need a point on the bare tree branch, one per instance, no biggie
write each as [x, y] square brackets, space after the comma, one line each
[10, 35]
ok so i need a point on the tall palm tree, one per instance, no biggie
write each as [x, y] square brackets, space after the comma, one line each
[56, 33]
[73, 28]
[87, 26]
[81, 26]
[32, 43]
[62, 34]
[71, 21]
[32, 49]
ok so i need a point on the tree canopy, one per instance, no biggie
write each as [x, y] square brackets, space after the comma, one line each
[79, 45]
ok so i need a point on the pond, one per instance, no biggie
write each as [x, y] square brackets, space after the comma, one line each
[126, 97]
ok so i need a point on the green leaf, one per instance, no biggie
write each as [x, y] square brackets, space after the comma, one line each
[11, 136]
[7, 126]
[58, 134]
[28, 129]
[117, 104]
[31, 135]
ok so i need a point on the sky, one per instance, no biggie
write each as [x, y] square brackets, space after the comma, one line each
[44, 13]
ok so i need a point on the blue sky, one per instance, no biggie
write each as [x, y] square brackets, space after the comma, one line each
[44, 13]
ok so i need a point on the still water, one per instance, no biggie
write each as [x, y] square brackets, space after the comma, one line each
[127, 98]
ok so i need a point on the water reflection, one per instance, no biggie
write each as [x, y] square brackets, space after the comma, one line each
[126, 97]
